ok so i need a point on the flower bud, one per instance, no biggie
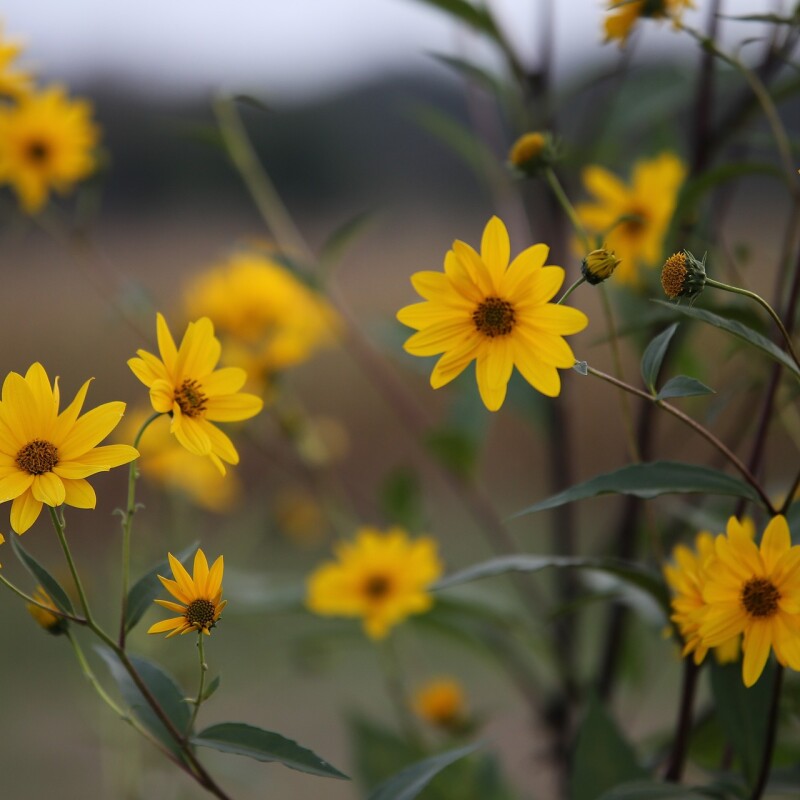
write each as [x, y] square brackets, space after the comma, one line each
[683, 276]
[441, 703]
[531, 152]
[599, 265]
[51, 622]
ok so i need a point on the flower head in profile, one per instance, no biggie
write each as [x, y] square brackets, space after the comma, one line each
[47, 618]
[199, 597]
[754, 591]
[185, 383]
[683, 276]
[380, 577]
[46, 455]
[46, 144]
[633, 219]
[483, 309]
[13, 83]
[441, 702]
[624, 14]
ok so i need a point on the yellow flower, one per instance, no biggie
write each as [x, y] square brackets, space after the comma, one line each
[46, 143]
[271, 319]
[754, 591]
[185, 383]
[441, 702]
[52, 623]
[2, 541]
[687, 577]
[483, 309]
[200, 596]
[12, 83]
[633, 220]
[380, 577]
[45, 457]
[599, 265]
[626, 13]
[164, 462]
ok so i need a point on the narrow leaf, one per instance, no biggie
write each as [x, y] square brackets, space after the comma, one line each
[793, 518]
[683, 386]
[408, 783]
[473, 73]
[48, 582]
[163, 688]
[737, 329]
[648, 481]
[651, 790]
[253, 742]
[654, 356]
[478, 18]
[341, 238]
[211, 688]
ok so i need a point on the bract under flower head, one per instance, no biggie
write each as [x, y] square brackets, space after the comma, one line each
[380, 577]
[483, 309]
[185, 383]
[624, 14]
[46, 456]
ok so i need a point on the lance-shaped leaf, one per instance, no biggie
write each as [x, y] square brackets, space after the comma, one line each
[48, 582]
[653, 356]
[651, 790]
[739, 330]
[408, 783]
[253, 742]
[683, 386]
[475, 16]
[648, 481]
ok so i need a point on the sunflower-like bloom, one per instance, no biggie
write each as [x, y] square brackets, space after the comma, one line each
[483, 309]
[441, 702]
[754, 591]
[624, 14]
[200, 596]
[633, 220]
[46, 456]
[687, 576]
[270, 319]
[13, 83]
[380, 577]
[46, 143]
[184, 382]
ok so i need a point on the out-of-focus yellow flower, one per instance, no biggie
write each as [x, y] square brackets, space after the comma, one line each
[2, 541]
[441, 702]
[52, 623]
[200, 596]
[299, 516]
[483, 309]
[531, 152]
[13, 83]
[624, 14]
[46, 144]
[184, 382]
[380, 577]
[46, 456]
[270, 319]
[633, 220]
[164, 461]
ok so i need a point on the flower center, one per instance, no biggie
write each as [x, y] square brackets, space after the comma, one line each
[673, 275]
[494, 317]
[760, 597]
[37, 457]
[200, 613]
[190, 398]
[377, 587]
[37, 151]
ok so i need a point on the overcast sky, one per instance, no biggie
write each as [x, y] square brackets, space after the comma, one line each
[295, 48]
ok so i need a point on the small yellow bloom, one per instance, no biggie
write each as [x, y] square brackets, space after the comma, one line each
[441, 702]
[185, 383]
[633, 220]
[200, 596]
[299, 516]
[683, 276]
[483, 309]
[754, 591]
[531, 152]
[46, 456]
[52, 623]
[624, 14]
[12, 83]
[599, 265]
[46, 143]
[380, 577]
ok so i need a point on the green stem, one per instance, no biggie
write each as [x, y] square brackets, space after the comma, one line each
[680, 745]
[569, 209]
[570, 290]
[59, 526]
[203, 670]
[790, 495]
[396, 689]
[766, 306]
[769, 740]
[32, 601]
[127, 527]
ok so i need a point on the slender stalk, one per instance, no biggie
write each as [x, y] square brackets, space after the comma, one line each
[198, 701]
[34, 602]
[683, 727]
[769, 741]
[570, 290]
[127, 526]
[566, 205]
[790, 494]
[59, 526]
[395, 687]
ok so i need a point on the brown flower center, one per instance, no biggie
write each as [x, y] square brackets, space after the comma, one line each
[494, 317]
[190, 398]
[377, 587]
[37, 457]
[673, 275]
[760, 597]
[37, 151]
[200, 613]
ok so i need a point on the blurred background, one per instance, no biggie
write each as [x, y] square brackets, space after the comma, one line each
[348, 107]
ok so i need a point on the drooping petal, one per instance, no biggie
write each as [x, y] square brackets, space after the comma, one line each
[493, 371]
[162, 396]
[14, 484]
[438, 338]
[455, 361]
[756, 648]
[190, 434]
[79, 494]
[48, 488]
[167, 625]
[25, 511]
[221, 445]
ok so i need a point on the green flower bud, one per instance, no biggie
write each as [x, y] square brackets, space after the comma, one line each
[531, 152]
[599, 265]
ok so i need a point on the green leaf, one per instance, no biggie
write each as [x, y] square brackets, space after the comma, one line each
[473, 73]
[161, 685]
[631, 572]
[478, 18]
[654, 356]
[650, 480]
[683, 386]
[743, 713]
[737, 329]
[211, 688]
[456, 449]
[341, 238]
[148, 587]
[401, 499]
[602, 758]
[650, 790]
[253, 742]
[47, 581]
[793, 518]
[773, 19]
[408, 783]
[253, 102]
[379, 752]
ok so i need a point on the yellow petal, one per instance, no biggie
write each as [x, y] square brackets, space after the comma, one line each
[90, 430]
[200, 573]
[526, 263]
[233, 407]
[167, 625]
[48, 489]
[182, 577]
[199, 351]
[25, 511]
[439, 338]
[493, 371]
[214, 582]
[495, 250]
[476, 269]
[224, 381]
[776, 542]
[221, 445]
[454, 361]
[14, 484]
[171, 606]
[175, 590]
[79, 493]
[66, 419]
[162, 396]
[190, 434]
[166, 344]
[756, 648]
